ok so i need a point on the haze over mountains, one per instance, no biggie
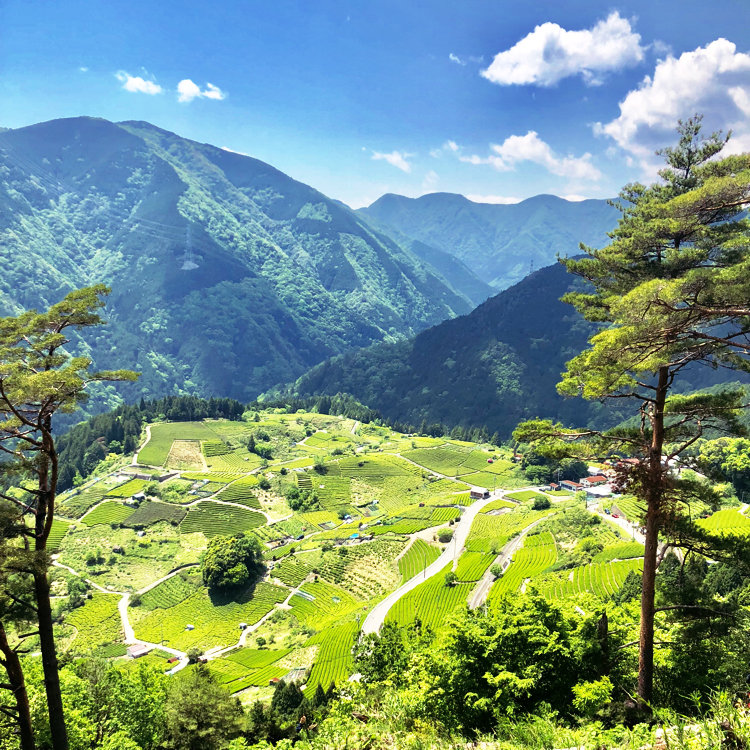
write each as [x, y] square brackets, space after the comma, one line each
[498, 243]
[230, 277]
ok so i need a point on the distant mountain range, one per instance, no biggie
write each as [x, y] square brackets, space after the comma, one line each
[228, 276]
[499, 244]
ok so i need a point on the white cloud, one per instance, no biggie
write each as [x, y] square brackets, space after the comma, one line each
[398, 159]
[448, 146]
[714, 80]
[137, 85]
[497, 199]
[574, 197]
[456, 59]
[83, 69]
[531, 148]
[188, 90]
[551, 53]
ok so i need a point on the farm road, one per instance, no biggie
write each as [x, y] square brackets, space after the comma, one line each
[374, 620]
[482, 589]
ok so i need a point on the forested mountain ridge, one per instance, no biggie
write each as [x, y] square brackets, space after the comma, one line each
[227, 274]
[497, 242]
[492, 368]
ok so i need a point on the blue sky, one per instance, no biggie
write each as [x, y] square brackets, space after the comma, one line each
[496, 100]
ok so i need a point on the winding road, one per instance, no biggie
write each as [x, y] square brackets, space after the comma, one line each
[374, 620]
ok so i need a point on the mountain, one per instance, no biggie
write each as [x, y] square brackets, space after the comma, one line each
[498, 243]
[494, 367]
[227, 275]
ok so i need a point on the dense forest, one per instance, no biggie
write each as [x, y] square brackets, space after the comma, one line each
[228, 276]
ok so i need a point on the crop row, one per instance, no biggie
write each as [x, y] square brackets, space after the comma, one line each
[431, 601]
[417, 558]
[214, 448]
[537, 555]
[619, 552]
[128, 489]
[169, 593]
[334, 661]
[214, 519]
[215, 619]
[601, 579]
[327, 603]
[242, 492]
[234, 462]
[152, 512]
[291, 571]
[472, 565]
[97, 622]
[110, 511]
[252, 658]
[727, 521]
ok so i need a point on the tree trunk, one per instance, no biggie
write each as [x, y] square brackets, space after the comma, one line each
[49, 661]
[653, 497]
[12, 665]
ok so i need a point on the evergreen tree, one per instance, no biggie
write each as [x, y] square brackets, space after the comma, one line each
[38, 380]
[672, 288]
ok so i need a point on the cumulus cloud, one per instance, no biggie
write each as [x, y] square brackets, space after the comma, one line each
[188, 90]
[551, 53]
[398, 159]
[496, 199]
[714, 80]
[137, 85]
[531, 148]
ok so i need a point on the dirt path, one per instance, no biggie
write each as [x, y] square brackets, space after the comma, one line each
[479, 595]
[122, 608]
[374, 620]
[148, 438]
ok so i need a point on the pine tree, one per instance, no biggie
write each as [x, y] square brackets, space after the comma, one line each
[673, 288]
[39, 379]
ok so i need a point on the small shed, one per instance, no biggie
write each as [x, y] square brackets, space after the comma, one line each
[189, 627]
[139, 649]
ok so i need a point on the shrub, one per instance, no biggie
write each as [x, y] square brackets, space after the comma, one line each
[445, 535]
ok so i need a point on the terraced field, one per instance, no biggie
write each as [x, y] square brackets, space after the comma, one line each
[57, 532]
[128, 489]
[729, 521]
[97, 623]
[215, 619]
[322, 604]
[417, 558]
[243, 491]
[291, 571]
[537, 555]
[163, 434]
[213, 519]
[152, 512]
[601, 579]
[170, 593]
[431, 601]
[619, 552]
[334, 662]
[108, 512]
[366, 571]
[472, 565]
[75, 504]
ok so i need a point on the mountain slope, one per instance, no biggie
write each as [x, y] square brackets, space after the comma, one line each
[227, 274]
[493, 367]
[497, 242]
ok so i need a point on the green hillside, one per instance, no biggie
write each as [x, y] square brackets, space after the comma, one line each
[498, 243]
[228, 275]
[491, 368]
